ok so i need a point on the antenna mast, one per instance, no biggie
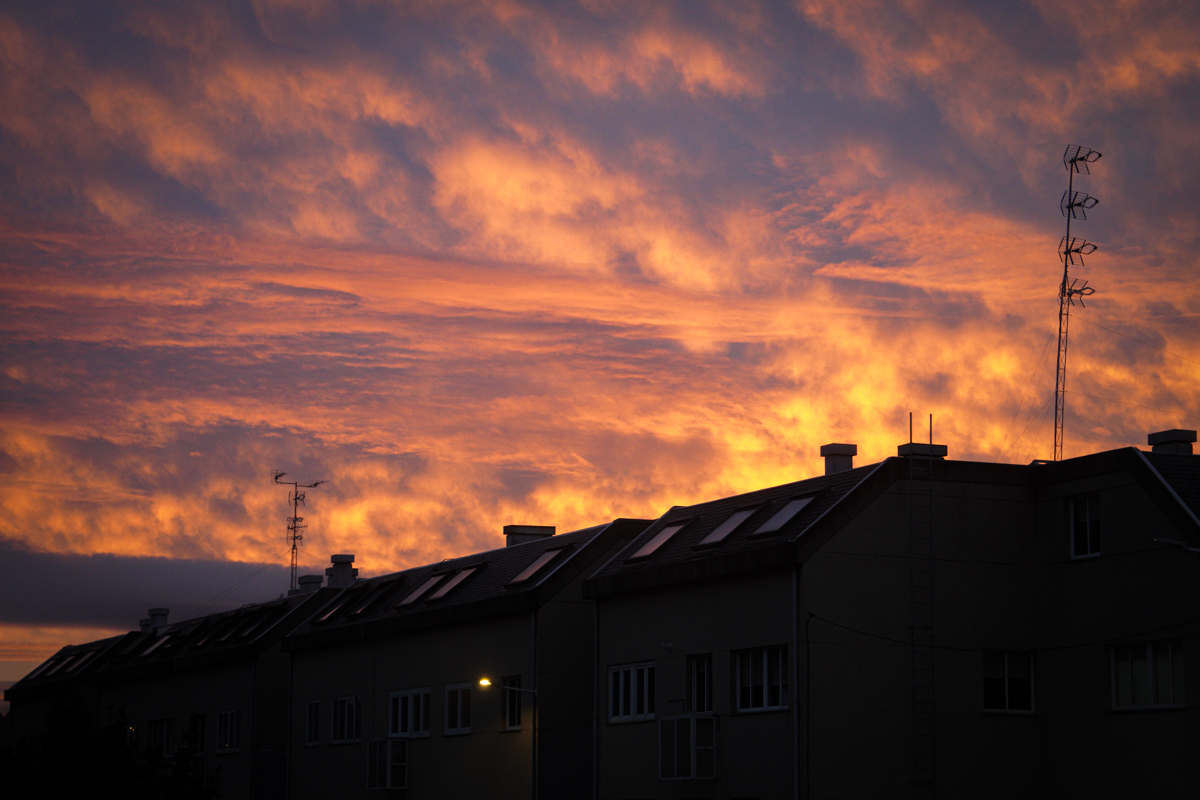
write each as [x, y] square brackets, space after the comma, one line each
[296, 524]
[1074, 205]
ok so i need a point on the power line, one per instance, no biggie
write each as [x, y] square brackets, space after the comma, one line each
[1113, 640]
[1139, 341]
[1035, 374]
[1133, 405]
[218, 598]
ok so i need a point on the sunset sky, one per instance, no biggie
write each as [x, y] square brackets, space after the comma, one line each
[506, 262]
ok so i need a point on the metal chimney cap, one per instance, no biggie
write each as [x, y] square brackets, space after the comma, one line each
[342, 558]
[1171, 437]
[835, 449]
[922, 449]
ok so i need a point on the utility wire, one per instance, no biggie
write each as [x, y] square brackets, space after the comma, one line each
[1139, 341]
[1035, 374]
[249, 577]
[1113, 640]
[1132, 405]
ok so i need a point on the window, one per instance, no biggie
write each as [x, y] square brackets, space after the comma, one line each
[161, 641]
[228, 730]
[387, 764]
[160, 737]
[422, 589]
[632, 692]
[784, 515]
[657, 541]
[700, 699]
[1148, 675]
[409, 713]
[728, 526]
[762, 678]
[1083, 521]
[345, 723]
[312, 723]
[326, 616]
[458, 709]
[541, 561]
[512, 702]
[448, 587]
[1007, 681]
[687, 748]
[195, 733]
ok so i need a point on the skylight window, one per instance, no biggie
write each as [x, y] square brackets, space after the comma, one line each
[81, 661]
[161, 641]
[38, 671]
[784, 515]
[658, 541]
[58, 666]
[421, 590]
[334, 609]
[533, 568]
[372, 595]
[448, 587]
[728, 526]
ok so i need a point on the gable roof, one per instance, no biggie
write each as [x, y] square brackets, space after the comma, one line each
[176, 646]
[1181, 475]
[747, 546]
[501, 581]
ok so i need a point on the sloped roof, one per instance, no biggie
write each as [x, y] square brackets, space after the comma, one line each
[1182, 474]
[68, 663]
[475, 584]
[700, 520]
[184, 644]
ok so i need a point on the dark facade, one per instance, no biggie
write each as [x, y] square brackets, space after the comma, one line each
[216, 686]
[913, 628]
[386, 676]
[919, 627]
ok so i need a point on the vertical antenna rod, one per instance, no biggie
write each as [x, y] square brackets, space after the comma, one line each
[1074, 205]
[296, 524]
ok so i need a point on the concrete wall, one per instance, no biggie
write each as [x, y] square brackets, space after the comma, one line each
[208, 692]
[1003, 580]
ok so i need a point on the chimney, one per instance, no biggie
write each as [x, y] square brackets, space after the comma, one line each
[838, 457]
[520, 534]
[157, 619]
[341, 574]
[921, 450]
[308, 585]
[1176, 442]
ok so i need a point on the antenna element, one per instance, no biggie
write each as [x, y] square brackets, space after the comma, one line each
[1074, 205]
[296, 524]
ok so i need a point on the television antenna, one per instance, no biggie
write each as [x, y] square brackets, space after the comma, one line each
[1074, 205]
[296, 524]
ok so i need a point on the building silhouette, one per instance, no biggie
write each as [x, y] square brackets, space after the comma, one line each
[917, 627]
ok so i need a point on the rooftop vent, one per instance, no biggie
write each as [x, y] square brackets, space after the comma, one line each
[520, 534]
[922, 450]
[308, 585]
[838, 457]
[157, 618]
[341, 574]
[1175, 442]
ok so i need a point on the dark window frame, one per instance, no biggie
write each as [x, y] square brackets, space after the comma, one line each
[1152, 662]
[758, 662]
[1083, 526]
[1007, 692]
[681, 753]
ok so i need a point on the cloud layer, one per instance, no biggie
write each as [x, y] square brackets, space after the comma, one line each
[513, 262]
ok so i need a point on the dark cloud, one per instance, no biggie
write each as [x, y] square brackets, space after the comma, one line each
[107, 591]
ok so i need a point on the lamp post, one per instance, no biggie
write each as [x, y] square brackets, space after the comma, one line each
[485, 683]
